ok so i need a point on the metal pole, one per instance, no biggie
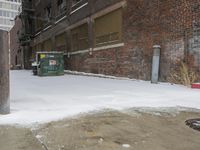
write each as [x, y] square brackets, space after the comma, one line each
[4, 73]
[155, 64]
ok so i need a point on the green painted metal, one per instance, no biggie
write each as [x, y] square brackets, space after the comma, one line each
[50, 63]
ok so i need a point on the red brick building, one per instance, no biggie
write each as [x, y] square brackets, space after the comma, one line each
[16, 53]
[116, 37]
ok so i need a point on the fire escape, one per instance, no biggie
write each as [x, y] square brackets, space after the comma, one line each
[25, 35]
[26, 31]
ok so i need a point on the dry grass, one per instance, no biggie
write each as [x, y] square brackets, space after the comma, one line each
[184, 75]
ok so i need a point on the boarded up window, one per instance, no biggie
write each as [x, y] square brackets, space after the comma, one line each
[47, 45]
[33, 52]
[80, 38]
[61, 41]
[35, 49]
[39, 22]
[38, 47]
[108, 28]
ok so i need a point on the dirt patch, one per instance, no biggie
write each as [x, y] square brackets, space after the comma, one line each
[117, 131]
[13, 138]
[108, 130]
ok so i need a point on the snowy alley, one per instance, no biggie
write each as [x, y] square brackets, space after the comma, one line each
[75, 112]
[44, 99]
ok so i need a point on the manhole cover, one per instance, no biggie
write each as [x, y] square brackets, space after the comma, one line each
[193, 123]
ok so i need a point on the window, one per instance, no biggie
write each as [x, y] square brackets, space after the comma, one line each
[39, 22]
[13, 14]
[61, 42]
[48, 13]
[34, 50]
[61, 6]
[108, 28]
[9, 14]
[4, 13]
[37, 2]
[74, 2]
[80, 38]
[38, 47]
[16, 60]
[47, 45]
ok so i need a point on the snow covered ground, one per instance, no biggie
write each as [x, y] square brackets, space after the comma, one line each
[43, 99]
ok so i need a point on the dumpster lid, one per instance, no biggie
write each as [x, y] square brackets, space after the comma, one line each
[52, 52]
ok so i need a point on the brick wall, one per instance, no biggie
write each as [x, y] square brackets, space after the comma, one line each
[15, 49]
[169, 23]
[172, 24]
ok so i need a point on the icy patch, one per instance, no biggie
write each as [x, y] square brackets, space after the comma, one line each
[38, 136]
[126, 146]
[100, 141]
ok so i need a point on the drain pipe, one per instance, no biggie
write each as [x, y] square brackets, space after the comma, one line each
[4, 73]
[155, 64]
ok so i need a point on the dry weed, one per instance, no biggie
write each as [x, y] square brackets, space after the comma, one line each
[184, 75]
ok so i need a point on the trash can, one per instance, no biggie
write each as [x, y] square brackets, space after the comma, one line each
[50, 63]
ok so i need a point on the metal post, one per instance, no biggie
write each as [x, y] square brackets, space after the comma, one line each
[91, 35]
[4, 74]
[155, 64]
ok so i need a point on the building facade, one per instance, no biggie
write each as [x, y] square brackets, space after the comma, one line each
[8, 10]
[16, 51]
[116, 37]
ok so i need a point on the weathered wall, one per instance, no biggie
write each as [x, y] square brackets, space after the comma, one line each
[4, 74]
[16, 53]
[167, 23]
[172, 24]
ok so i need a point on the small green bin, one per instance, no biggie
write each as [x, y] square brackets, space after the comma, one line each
[50, 63]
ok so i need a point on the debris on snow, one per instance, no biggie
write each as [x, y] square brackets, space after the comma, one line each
[126, 145]
[100, 141]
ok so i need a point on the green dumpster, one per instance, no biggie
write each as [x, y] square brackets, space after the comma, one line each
[50, 63]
